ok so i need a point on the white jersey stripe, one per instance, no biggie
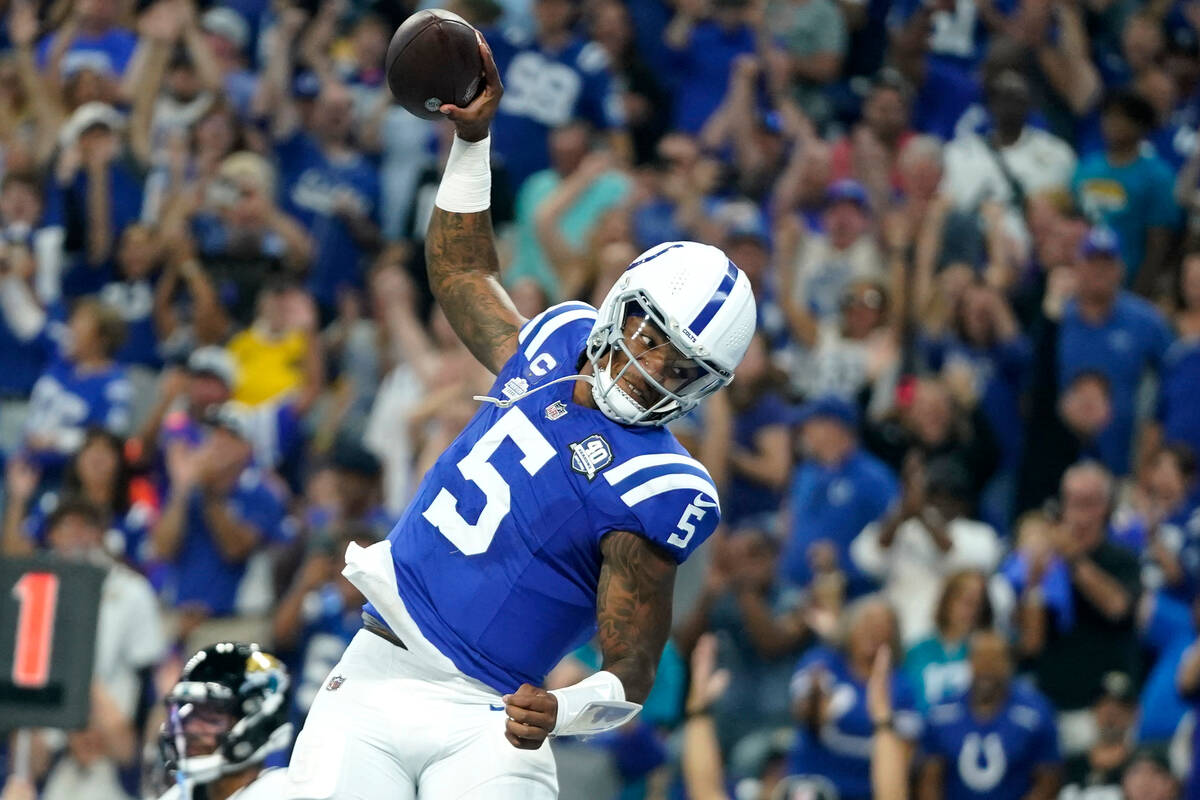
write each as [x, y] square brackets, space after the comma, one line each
[553, 324]
[529, 327]
[639, 463]
[669, 483]
[532, 325]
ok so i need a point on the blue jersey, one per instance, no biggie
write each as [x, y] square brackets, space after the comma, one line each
[498, 556]
[543, 90]
[993, 758]
[67, 400]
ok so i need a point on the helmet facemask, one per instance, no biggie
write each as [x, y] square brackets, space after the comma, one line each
[627, 350]
[200, 717]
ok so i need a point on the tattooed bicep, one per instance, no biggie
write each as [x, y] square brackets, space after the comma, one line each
[460, 255]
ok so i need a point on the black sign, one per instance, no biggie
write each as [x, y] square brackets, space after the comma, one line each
[48, 614]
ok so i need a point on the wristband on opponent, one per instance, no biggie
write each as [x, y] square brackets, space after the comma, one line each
[466, 185]
[594, 705]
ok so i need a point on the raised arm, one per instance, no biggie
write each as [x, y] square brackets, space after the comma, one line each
[460, 249]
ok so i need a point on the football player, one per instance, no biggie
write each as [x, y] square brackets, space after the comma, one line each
[226, 714]
[560, 512]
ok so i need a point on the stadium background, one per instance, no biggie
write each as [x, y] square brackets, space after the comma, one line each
[971, 226]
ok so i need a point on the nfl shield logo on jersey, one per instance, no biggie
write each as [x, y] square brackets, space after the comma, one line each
[590, 456]
[556, 410]
[335, 683]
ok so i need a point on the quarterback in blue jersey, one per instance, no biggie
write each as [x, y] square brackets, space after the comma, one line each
[560, 513]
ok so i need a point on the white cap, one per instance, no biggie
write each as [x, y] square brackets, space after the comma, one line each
[228, 24]
[76, 61]
[215, 361]
[87, 115]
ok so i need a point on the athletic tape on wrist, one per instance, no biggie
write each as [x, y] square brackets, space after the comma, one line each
[466, 185]
[594, 705]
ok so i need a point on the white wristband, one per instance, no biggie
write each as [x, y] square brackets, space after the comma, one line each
[466, 185]
[595, 704]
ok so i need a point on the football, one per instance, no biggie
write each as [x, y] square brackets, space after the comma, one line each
[434, 59]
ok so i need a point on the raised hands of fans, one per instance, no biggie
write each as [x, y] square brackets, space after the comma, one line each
[898, 230]
[291, 21]
[532, 715]
[746, 68]
[21, 479]
[693, 9]
[163, 22]
[1060, 287]
[473, 122]
[913, 480]
[879, 687]
[316, 572]
[707, 683]
[18, 788]
[70, 159]
[23, 23]
[822, 556]
[184, 466]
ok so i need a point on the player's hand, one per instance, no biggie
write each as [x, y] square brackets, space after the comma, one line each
[532, 714]
[472, 123]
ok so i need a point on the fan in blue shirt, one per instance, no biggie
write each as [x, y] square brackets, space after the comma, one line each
[1167, 630]
[1108, 330]
[132, 296]
[829, 697]
[703, 54]
[332, 189]
[549, 80]
[220, 510]
[836, 492]
[997, 741]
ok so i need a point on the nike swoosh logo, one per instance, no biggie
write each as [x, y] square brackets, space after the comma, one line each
[495, 708]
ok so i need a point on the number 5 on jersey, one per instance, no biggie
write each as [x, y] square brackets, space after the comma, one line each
[473, 539]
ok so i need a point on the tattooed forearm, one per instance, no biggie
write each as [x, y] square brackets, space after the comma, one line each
[464, 275]
[633, 609]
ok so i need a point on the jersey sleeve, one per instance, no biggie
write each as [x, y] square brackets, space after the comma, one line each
[667, 497]
[553, 340]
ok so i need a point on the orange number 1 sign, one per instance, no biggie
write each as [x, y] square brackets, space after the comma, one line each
[37, 594]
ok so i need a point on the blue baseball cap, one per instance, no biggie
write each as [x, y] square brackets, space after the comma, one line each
[828, 407]
[847, 190]
[1101, 241]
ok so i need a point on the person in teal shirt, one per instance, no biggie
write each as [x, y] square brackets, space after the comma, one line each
[575, 192]
[937, 667]
[1130, 189]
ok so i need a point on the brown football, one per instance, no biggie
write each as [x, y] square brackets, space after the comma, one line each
[434, 59]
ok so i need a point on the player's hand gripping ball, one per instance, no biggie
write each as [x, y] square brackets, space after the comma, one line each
[434, 60]
[532, 714]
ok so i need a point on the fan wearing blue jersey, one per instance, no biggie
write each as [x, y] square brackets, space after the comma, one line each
[558, 515]
[997, 741]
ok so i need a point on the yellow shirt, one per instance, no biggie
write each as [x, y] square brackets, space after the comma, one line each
[267, 367]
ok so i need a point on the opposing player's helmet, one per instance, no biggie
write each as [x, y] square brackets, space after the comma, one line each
[701, 303]
[227, 712]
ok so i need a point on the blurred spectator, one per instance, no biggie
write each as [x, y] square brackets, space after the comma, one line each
[920, 541]
[809, 45]
[705, 38]
[1071, 654]
[760, 630]
[997, 741]
[827, 263]
[987, 358]
[551, 78]
[1012, 162]
[558, 208]
[1111, 331]
[837, 489]
[1178, 417]
[1167, 628]
[319, 615]
[278, 354]
[1149, 776]
[1102, 766]
[91, 30]
[219, 510]
[937, 665]
[645, 103]
[829, 701]
[325, 182]
[758, 459]
[85, 388]
[29, 236]
[931, 424]
[1130, 191]
[98, 474]
[132, 296]
[871, 152]
[129, 642]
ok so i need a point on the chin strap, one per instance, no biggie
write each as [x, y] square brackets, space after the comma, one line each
[483, 398]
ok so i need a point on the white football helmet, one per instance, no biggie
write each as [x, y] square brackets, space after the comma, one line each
[702, 304]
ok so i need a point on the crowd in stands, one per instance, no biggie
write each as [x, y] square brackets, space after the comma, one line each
[959, 463]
